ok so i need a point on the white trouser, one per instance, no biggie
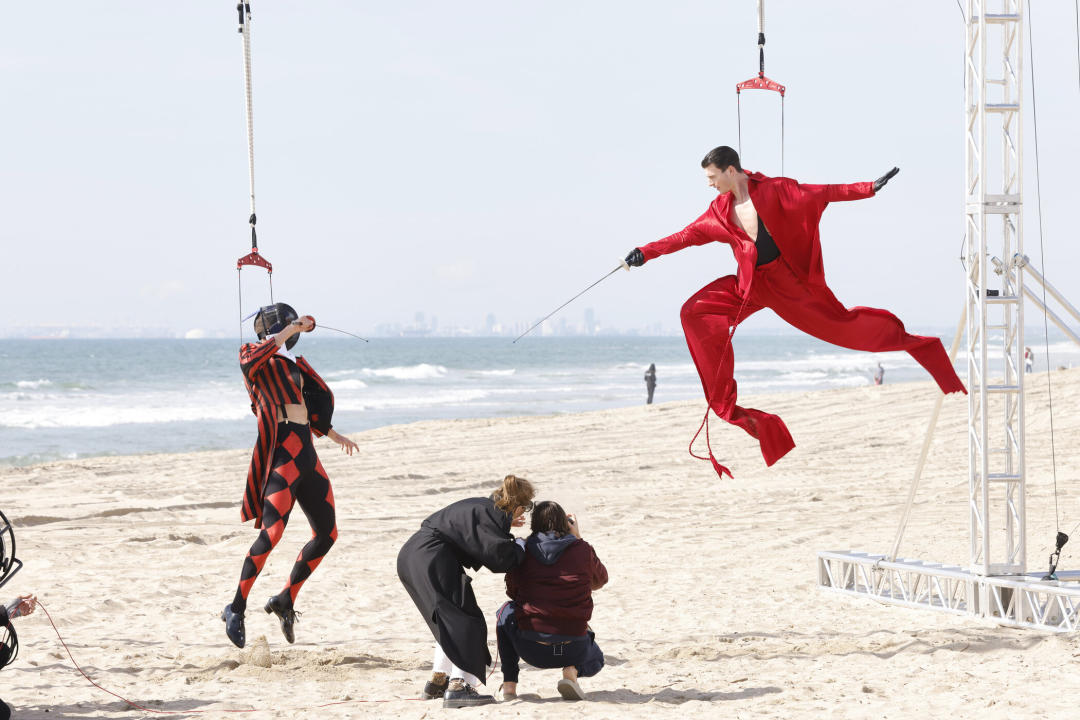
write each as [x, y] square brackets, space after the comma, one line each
[442, 664]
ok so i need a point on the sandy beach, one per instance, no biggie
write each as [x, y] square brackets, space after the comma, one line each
[712, 609]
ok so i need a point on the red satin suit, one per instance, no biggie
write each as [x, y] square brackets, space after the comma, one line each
[793, 286]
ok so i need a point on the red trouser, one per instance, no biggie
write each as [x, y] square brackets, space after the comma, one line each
[711, 314]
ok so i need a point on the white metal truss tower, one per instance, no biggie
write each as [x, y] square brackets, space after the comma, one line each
[993, 198]
[995, 584]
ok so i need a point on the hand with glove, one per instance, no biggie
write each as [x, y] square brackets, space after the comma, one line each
[635, 258]
[880, 182]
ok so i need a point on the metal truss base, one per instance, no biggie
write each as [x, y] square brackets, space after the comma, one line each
[1014, 600]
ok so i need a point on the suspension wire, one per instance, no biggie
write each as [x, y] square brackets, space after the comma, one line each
[244, 11]
[781, 135]
[240, 301]
[1042, 251]
[1076, 11]
[738, 113]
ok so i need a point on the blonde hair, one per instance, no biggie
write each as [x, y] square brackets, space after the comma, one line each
[515, 492]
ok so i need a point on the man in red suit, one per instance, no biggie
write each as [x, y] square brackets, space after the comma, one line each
[771, 225]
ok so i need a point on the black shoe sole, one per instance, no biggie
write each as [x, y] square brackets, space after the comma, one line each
[468, 703]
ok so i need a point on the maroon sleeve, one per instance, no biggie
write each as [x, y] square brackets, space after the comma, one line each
[597, 571]
[511, 584]
[254, 355]
[696, 233]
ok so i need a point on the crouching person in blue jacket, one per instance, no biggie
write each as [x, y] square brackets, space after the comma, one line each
[546, 622]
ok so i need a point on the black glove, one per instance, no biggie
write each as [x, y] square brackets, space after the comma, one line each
[880, 182]
[636, 258]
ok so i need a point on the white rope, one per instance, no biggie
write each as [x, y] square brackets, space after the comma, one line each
[245, 34]
[761, 17]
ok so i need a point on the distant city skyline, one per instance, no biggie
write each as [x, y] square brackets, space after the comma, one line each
[423, 324]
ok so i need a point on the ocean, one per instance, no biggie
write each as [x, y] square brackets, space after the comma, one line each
[62, 399]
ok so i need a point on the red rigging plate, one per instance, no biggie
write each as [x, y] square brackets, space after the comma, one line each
[254, 258]
[760, 83]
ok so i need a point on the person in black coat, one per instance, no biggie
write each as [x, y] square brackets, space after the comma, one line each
[650, 382]
[467, 534]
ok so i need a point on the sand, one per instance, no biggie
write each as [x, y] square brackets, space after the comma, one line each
[712, 609]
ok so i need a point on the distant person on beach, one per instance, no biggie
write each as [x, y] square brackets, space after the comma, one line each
[1029, 360]
[650, 382]
[879, 375]
[546, 622]
[771, 225]
[291, 403]
[470, 533]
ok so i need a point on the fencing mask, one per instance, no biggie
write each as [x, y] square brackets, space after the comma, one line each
[272, 319]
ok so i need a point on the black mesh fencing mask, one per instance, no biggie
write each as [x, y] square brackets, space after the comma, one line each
[272, 319]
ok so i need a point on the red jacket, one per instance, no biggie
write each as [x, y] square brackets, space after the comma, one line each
[273, 380]
[552, 588]
[790, 210]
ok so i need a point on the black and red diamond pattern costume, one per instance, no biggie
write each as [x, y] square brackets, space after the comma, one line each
[285, 468]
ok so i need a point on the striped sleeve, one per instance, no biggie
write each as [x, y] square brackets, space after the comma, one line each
[254, 355]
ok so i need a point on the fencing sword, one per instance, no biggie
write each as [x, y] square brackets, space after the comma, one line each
[343, 332]
[621, 266]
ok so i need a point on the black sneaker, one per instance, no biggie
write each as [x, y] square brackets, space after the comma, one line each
[434, 690]
[234, 625]
[466, 697]
[285, 613]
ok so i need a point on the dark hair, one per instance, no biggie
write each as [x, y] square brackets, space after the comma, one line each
[548, 516]
[722, 157]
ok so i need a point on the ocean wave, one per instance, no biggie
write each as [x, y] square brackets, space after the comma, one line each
[496, 373]
[846, 362]
[44, 416]
[34, 458]
[337, 374]
[803, 376]
[32, 384]
[423, 371]
[348, 385]
[792, 383]
[450, 397]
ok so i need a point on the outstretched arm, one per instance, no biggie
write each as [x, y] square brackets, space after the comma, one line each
[838, 193]
[852, 191]
[693, 234]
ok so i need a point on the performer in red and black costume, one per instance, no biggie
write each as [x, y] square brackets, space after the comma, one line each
[771, 225]
[291, 403]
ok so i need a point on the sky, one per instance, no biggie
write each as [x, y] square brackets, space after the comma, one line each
[461, 159]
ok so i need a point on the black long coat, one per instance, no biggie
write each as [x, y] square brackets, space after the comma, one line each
[467, 534]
